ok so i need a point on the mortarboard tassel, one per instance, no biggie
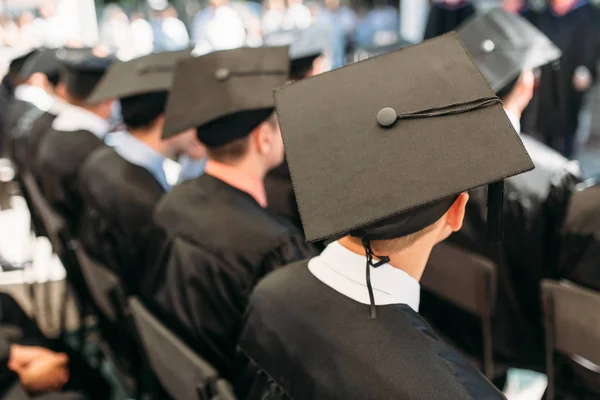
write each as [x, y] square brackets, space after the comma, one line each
[495, 212]
[382, 260]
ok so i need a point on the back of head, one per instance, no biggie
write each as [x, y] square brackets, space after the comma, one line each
[141, 111]
[81, 71]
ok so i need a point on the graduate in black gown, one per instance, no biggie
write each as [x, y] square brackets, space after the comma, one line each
[122, 184]
[447, 15]
[43, 69]
[306, 53]
[381, 160]
[74, 135]
[34, 367]
[224, 239]
[22, 95]
[506, 48]
[574, 26]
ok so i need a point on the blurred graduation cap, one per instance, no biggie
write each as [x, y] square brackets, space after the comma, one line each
[148, 74]
[44, 61]
[225, 94]
[82, 69]
[18, 58]
[381, 148]
[305, 46]
[504, 44]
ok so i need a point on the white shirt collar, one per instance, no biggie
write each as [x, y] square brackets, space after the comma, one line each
[34, 95]
[344, 271]
[514, 121]
[73, 118]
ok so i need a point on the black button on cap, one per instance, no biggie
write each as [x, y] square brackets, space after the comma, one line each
[386, 116]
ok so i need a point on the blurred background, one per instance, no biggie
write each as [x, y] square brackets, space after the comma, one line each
[356, 30]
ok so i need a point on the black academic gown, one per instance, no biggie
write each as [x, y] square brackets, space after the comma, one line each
[303, 340]
[223, 243]
[21, 115]
[6, 96]
[39, 128]
[534, 210]
[443, 19]
[280, 194]
[577, 34]
[117, 228]
[61, 156]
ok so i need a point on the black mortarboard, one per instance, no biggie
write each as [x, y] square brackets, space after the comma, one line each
[504, 44]
[82, 70]
[225, 94]
[18, 59]
[151, 73]
[305, 46]
[45, 61]
[381, 148]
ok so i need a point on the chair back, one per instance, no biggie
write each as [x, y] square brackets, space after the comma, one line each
[182, 373]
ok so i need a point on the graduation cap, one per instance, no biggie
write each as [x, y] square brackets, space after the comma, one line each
[504, 44]
[151, 73]
[82, 70]
[44, 61]
[18, 59]
[225, 94]
[381, 148]
[305, 46]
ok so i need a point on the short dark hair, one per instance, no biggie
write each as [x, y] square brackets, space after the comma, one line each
[229, 151]
[508, 88]
[140, 111]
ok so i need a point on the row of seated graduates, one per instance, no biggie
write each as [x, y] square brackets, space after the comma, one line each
[547, 211]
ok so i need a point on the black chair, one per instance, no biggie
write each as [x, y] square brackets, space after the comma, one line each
[118, 342]
[572, 322]
[467, 281]
[182, 373]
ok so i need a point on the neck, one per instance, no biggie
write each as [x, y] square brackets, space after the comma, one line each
[563, 7]
[411, 260]
[151, 137]
[246, 164]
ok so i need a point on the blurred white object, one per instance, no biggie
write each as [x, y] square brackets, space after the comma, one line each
[582, 79]
[77, 22]
[413, 19]
[143, 37]
[218, 28]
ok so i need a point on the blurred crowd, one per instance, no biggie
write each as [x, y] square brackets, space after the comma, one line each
[220, 25]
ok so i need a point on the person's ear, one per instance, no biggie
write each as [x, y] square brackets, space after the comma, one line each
[262, 138]
[456, 214]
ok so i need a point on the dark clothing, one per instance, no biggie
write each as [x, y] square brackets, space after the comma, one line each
[304, 340]
[17, 328]
[223, 243]
[39, 128]
[280, 194]
[117, 228]
[443, 19]
[579, 259]
[61, 156]
[21, 115]
[5, 100]
[534, 209]
[577, 34]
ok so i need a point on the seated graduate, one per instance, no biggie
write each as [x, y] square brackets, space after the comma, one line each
[121, 185]
[74, 135]
[224, 239]
[42, 67]
[32, 366]
[447, 15]
[47, 62]
[579, 261]
[506, 48]
[306, 59]
[382, 160]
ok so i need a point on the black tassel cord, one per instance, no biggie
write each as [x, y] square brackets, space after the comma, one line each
[382, 260]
